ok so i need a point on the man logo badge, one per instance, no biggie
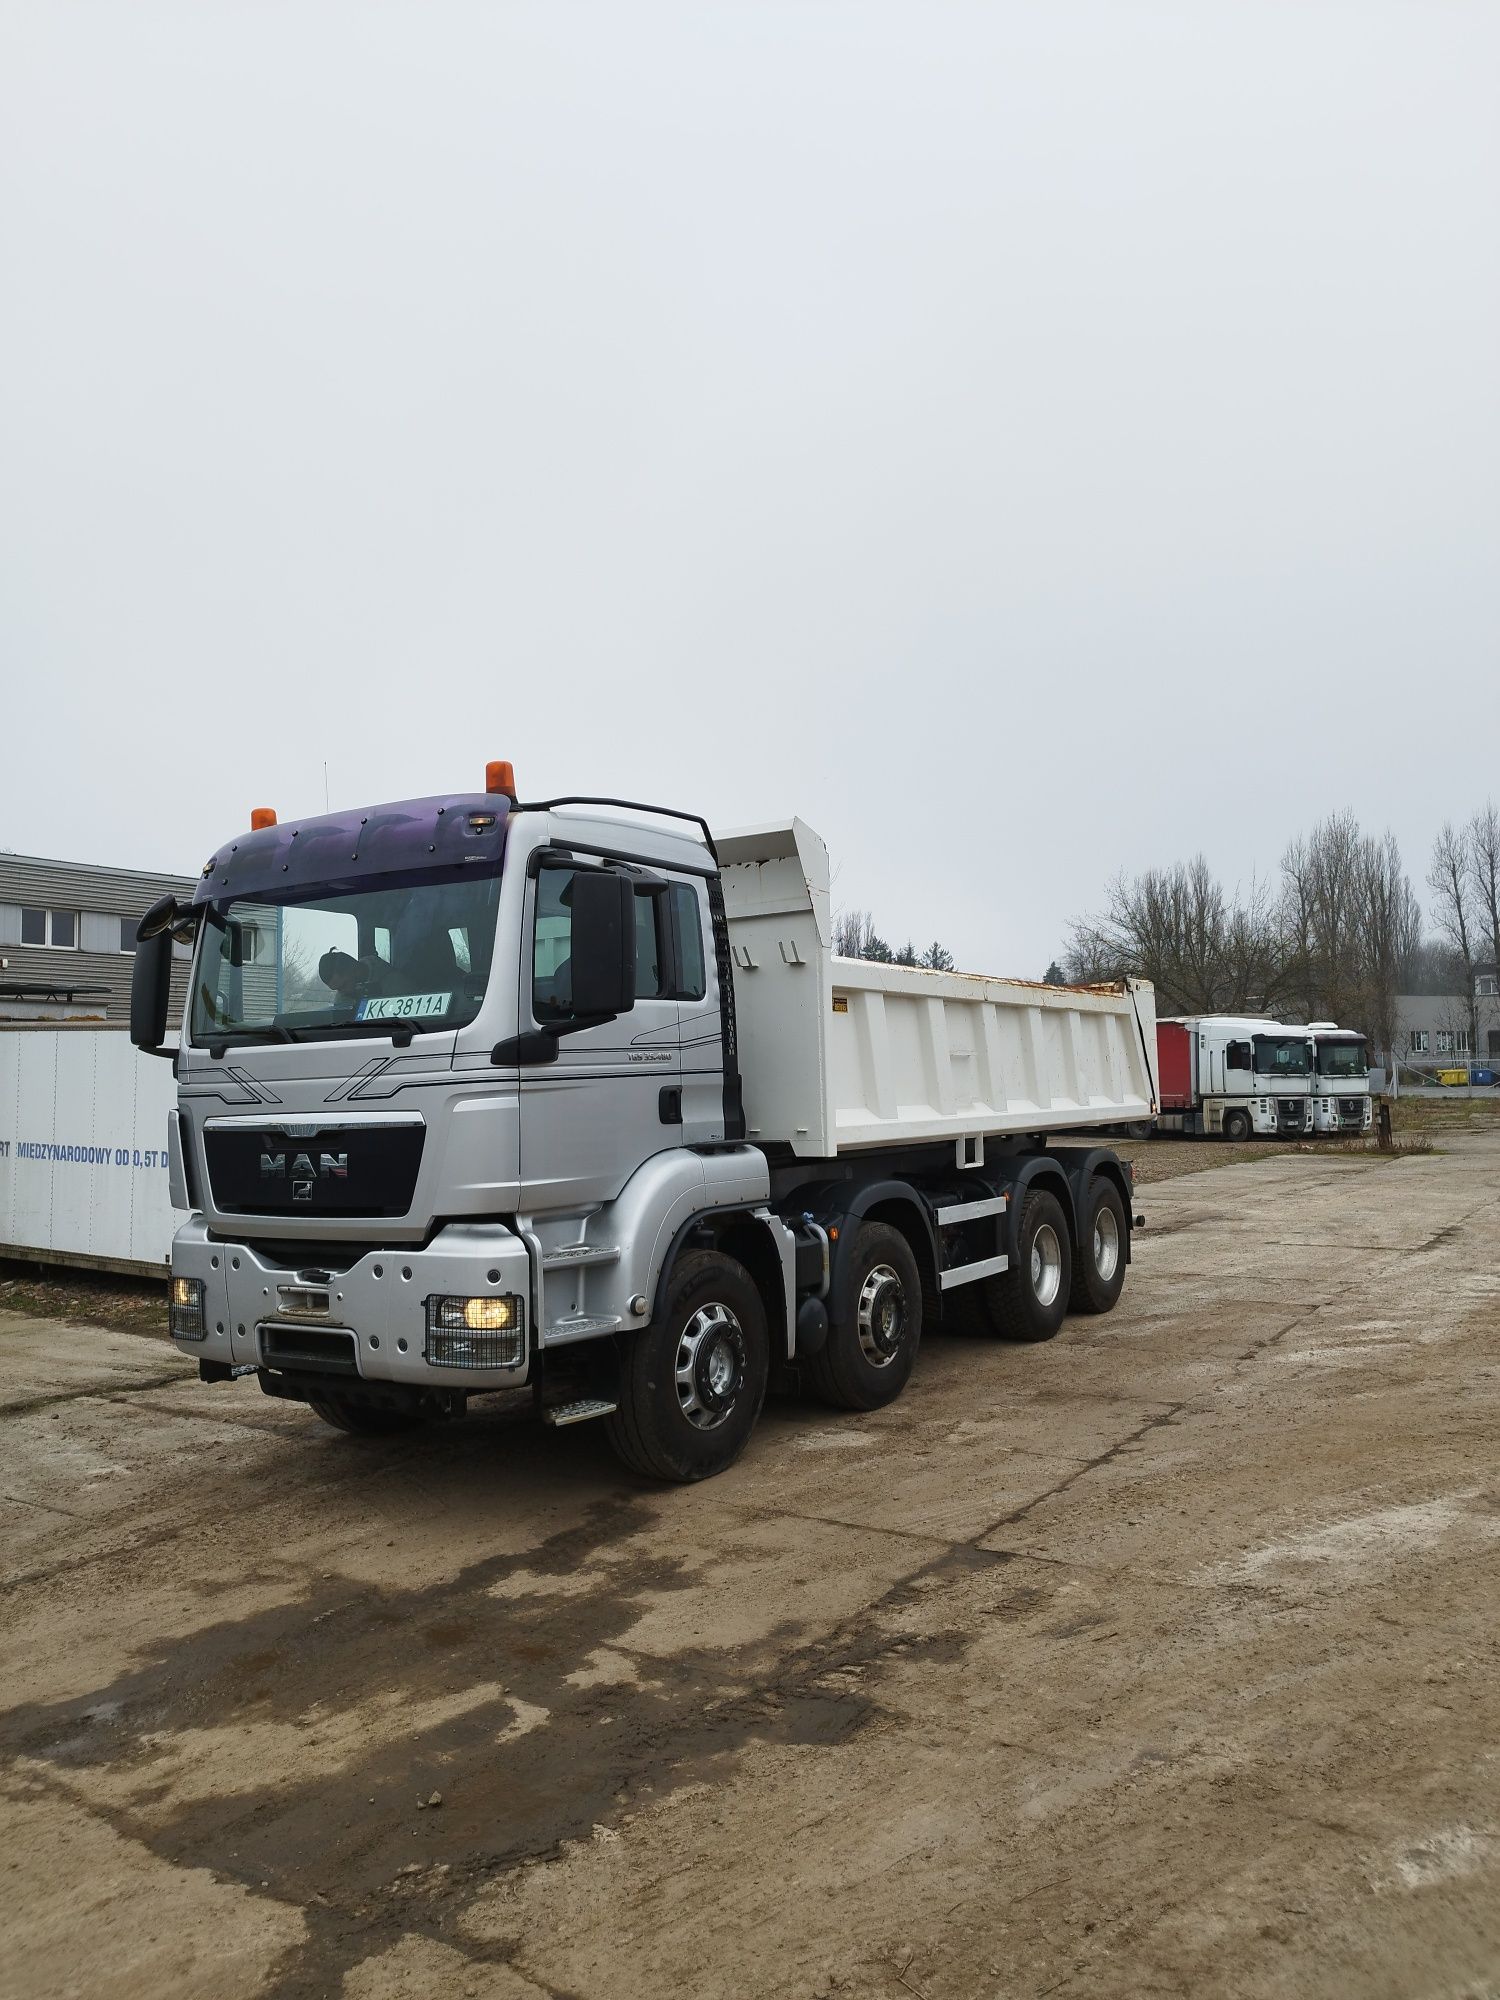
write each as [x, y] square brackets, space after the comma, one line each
[304, 1175]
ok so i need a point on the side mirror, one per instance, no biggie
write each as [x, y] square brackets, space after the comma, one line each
[602, 944]
[160, 917]
[150, 980]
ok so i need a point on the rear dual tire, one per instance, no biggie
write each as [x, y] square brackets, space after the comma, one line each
[871, 1348]
[1029, 1301]
[1099, 1257]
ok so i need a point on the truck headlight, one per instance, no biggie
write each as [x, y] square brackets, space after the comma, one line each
[185, 1309]
[475, 1333]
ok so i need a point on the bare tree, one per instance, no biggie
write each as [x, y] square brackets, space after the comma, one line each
[1203, 952]
[854, 933]
[855, 936]
[1323, 906]
[1484, 872]
[1451, 879]
[1390, 921]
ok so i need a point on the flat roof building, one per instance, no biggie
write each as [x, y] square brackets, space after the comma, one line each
[67, 937]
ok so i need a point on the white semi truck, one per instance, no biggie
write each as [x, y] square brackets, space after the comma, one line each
[1234, 1074]
[1341, 1094]
[477, 1096]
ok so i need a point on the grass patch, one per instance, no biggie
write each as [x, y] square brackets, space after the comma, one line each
[1446, 1114]
[126, 1305]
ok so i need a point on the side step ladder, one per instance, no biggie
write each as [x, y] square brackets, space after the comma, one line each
[579, 1412]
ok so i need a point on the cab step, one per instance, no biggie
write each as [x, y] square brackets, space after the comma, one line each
[579, 1412]
[567, 1256]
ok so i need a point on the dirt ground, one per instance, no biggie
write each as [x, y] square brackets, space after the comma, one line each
[1160, 1659]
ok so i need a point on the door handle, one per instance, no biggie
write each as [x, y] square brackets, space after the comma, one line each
[669, 1104]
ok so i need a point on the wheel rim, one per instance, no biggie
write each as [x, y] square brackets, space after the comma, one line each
[710, 1366]
[1046, 1265]
[1106, 1243]
[882, 1315]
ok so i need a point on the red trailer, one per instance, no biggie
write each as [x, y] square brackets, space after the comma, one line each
[1174, 1062]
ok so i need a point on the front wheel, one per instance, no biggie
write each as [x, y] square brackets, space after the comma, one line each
[1237, 1126]
[691, 1384]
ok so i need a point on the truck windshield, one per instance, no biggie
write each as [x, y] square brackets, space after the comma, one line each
[1281, 1055]
[1345, 1059]
[361, 961]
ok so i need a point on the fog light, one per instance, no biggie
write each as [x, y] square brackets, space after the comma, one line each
[475, 1333]
[185, 1309]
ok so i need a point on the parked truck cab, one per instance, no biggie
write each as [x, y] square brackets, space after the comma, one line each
[1341, 1100]
[477, 1097]
[1235, 1075]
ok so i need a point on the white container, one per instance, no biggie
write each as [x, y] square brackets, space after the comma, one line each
[839, 1054]
[83, 1148]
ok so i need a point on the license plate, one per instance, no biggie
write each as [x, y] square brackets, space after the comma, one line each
[403, 1007]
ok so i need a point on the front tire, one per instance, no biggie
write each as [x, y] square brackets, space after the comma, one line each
[1237, 1127]
[1099, 1259]
[691, 1385]
[872, 1346]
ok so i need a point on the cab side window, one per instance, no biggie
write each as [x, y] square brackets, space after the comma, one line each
[552, 945]
[648, 951]
[687, 927]
[669, 963]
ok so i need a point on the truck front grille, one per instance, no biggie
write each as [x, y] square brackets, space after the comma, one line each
[311, 1170]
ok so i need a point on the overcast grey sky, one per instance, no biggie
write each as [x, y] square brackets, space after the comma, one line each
[1025, 440]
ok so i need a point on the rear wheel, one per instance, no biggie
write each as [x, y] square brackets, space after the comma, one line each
[691, 1385]
[872, 1345]
[1099, 1259]
[362, 1419]
[1030, 1300]
[1237, 1126]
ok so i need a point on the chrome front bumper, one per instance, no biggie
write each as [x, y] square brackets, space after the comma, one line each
[380, 1298]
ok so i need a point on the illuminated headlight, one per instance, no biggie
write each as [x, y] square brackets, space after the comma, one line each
[185, 1309]
[475, 1333]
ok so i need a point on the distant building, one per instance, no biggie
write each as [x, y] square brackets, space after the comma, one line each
[67, 937]
[1436, 1030]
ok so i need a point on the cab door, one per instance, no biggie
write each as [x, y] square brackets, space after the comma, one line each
[613, 1097]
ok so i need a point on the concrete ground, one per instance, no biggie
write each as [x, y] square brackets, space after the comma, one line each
[1156, 1660]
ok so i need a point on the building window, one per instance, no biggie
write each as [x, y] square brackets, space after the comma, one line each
[1419, 1041]
[1461, 1041]
[58, 928]
[127, 933]
[1495, 1041]
[1487, 986]
[1445, 1041]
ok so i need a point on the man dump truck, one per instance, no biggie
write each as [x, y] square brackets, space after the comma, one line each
[476, 1096]
[1341, 1071]
[1234, 1074]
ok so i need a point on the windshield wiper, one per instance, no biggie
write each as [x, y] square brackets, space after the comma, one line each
[393, 1027]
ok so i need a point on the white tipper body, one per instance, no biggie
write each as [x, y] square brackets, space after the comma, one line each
[839, 1054]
